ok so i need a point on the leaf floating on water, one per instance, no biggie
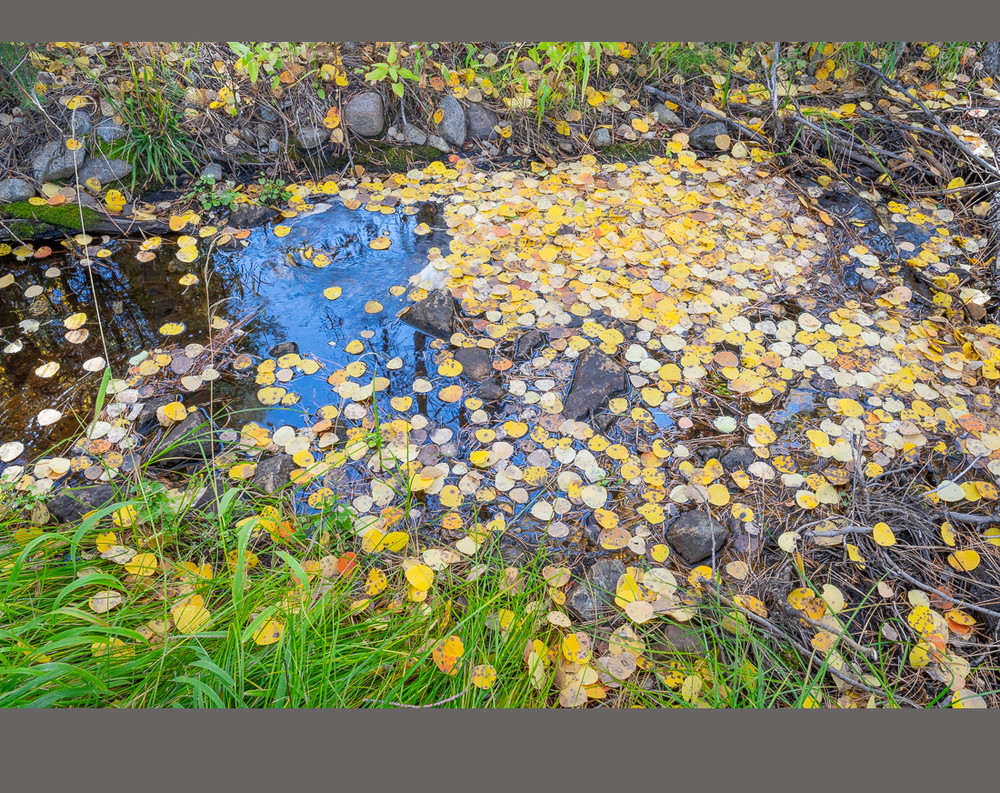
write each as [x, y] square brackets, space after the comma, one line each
[47, 369]
[188, 279]
[380, 243]
[172, 329]
[48, 416]
[271, 395]
[10, 451]
[281, 231]
[187, 253]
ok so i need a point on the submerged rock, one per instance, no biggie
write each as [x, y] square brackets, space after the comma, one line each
[285, 348]
[70, 505]
[740, 458]
[434, 315]
[594, 596]
[194, 440]
[695, 536]
[597, 378]
[146, 421]
[490, 391]
[528, 343]
[273, 473]
[247, 216]
[476, 363]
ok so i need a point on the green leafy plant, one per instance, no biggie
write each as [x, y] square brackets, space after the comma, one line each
[257, 56]
[211, 195]
[392, 70]
[272, 191]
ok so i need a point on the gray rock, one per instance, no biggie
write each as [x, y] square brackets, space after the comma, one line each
[194, 440]
[480, 121]
[738, 459]
[284, 348]
[594, 596]
[88, 201]
[16, 190]
[364, 114]
[247, 216]
[413, 135]
[54, 161]
[696, 536]
[108, 131]
[600, 138]
[452, 124]
[666, 115]
[273, 473]
[439, 143]
[703, 137]
[79, 123]
[527, 65]
[106, 171]
[312, 137]
[434, 315]
[69, 506]
[476, 363]
[597, 378]
[267, 114]
[490, 391]
[213, 170]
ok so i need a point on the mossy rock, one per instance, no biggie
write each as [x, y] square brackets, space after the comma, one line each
[30, 220]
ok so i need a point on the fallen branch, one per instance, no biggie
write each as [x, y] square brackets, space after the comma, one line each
[708, 114]
[944, 128]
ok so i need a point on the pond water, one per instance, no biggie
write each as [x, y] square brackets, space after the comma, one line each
[267, 279]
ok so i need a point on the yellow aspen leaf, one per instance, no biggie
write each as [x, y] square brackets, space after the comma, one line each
[964, 561]
[269, 632]
[190, 615]
[483, 676]
[883, 535]
[420, 576]
[446, 654]
[376, 583]
[142, 564]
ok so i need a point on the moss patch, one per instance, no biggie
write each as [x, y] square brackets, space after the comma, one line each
[31, 219]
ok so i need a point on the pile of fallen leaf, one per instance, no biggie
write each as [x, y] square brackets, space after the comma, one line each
[702, 278]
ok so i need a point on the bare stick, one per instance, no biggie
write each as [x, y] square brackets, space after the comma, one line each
[708, 113]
